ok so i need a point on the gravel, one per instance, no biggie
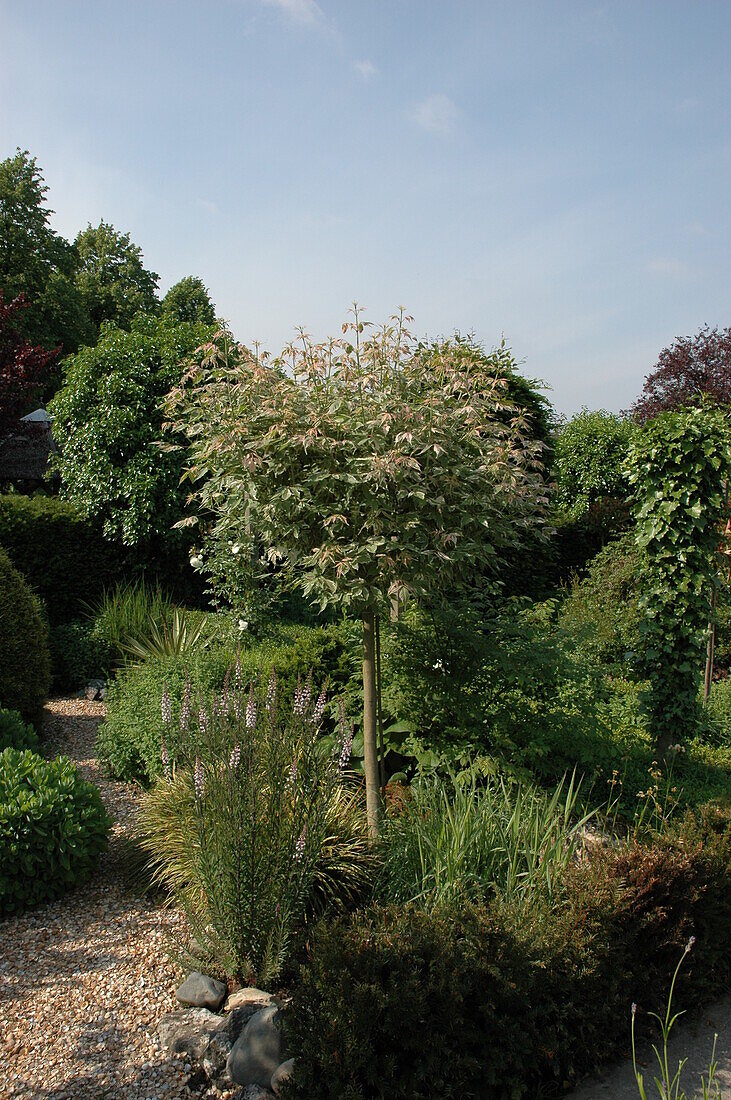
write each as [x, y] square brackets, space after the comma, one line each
[84, 980]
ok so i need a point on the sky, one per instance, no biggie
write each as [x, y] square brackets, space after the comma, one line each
[555, 173]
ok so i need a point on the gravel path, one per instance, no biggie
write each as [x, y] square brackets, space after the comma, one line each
[84, 980]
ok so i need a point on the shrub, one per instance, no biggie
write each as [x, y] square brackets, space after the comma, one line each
[15, 733]
[77, 655]
[453, 840]
[718, 710]
[63, 556]
[256, 827]
[53, 827]
[25, 663]
[130, 739]
[125, 612]
[510, 1000]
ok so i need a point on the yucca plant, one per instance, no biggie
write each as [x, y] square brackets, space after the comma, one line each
[125, 612]
[254, 827]
[456, 839]
[169, 636]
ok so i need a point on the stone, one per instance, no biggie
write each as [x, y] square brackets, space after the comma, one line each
[256, 1054]
[242, 1005]
[189, 1031]
[200, 991]
[253, 1092]
[95, 689]
[215, 1055]
[281, 1074]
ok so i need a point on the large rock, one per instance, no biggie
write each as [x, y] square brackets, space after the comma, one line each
[189, 1031]
[253, 1092]
[281, 1074]
[256, 1054]
[244, 1004]
[200, 991]
[214, 1057]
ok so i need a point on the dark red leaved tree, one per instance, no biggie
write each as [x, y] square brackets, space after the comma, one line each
[24, 368]
[693, 369]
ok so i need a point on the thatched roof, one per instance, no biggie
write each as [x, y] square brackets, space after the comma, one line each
[24, 454]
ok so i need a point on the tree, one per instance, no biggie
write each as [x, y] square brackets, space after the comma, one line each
[678, 466]
[189, 300]
[693, 370]
[35, 261]
[23, 368]
[111, 277]
[108, 425]
[368, 468]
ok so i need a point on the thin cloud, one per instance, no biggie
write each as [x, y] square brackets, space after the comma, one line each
[299, 11]
[436, 114]
[366, 69]
[667, 267]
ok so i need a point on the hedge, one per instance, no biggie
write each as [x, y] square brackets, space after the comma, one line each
[25, 663]
[503, 1002]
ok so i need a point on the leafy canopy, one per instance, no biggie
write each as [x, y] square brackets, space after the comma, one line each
[23, 368]
[367, 467]
[35, 261]
[108, 422]
[692, 371]
[588, 454]
[111, 277]
[189, 300]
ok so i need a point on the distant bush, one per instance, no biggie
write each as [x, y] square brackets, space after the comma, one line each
[719, 712]
[77, 655]
[53, 828]
[62, 555]
[129, 740]
[511, 1000]
[602, 609]
[25, 663]
[15, 733]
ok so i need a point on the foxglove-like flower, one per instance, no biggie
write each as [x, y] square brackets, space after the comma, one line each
[271, 692]
[292, 774]
[319, 708]
[165, 761]
[166, 707]
[185, 705]
[198, 778]
[302, 696]
[203, 720]
[299, 848]
[346, 750]
[251, 711]
[235, 758]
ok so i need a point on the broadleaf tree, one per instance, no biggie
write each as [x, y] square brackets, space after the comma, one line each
[369, 469]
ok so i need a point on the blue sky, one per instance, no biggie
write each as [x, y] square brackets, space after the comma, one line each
[557, 172]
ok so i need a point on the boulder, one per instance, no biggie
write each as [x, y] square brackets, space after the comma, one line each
[189, 1031]
[244, 1004]
[253, 1092]
[256, 1054]
[281, 1074]
[215, 1055]
[200, 991]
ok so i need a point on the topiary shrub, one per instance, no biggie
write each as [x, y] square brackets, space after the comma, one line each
[25, 663]
[15, 733]
[129, 741]
[53, 827]
[63, 555]
[511, 1000]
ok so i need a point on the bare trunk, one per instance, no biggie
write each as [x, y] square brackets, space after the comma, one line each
[711, 647]
[370, 726]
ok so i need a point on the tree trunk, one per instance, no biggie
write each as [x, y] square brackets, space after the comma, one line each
[710, 648]
[370, 726]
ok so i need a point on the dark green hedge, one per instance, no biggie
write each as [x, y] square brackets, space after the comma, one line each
[61, 554]
[53, 828]
[499, 1002]
[25, 663]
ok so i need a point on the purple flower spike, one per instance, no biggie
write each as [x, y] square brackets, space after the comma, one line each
[299, 849]
[185, 706]
[346, 750]
[319, 710]
[165, 761]
[203, 720]
[166, 706]
[198, 778]
[251, 711]
[235, 758]
[271, 692]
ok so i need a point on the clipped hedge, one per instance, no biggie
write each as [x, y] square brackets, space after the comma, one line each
[25, 663]
[512, 1002]
[63, 555]
[129, 741]
[15, 733]
[53, 827]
